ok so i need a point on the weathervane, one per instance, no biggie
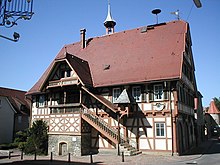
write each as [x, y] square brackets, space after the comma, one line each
[177, 13]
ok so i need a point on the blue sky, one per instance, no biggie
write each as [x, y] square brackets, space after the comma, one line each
[58, 22]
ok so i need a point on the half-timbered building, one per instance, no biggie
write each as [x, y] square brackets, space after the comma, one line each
[130, 91]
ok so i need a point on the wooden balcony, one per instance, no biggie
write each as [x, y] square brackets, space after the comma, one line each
[63, 82]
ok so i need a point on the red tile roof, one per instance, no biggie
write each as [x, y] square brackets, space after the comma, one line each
[213, 109]
[131, 56]
[16, 98]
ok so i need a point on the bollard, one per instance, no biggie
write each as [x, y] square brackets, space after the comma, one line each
[22, 154]
[69, 157]
[122, 157]
[9, 155]
[91, 160]
[35, 156]
[51, 156]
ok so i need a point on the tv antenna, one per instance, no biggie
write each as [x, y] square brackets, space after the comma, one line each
[156, 12]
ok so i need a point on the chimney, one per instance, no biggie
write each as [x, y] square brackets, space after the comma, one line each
[83, 38]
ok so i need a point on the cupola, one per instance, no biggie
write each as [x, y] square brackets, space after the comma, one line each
[109, 22]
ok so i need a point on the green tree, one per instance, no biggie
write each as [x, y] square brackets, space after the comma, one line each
[37, 140]
[217, 102]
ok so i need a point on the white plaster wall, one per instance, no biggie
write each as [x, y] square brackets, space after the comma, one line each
[144, 144]
[160, 144]
[6, 121]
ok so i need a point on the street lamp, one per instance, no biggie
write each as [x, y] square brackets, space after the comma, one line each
[16, 37]
[198, 3]
[13, 10]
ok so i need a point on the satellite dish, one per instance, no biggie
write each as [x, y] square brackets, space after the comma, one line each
[156, 12]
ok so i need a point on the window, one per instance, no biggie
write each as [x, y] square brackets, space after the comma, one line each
[115, 94]
[41, 101]
[160, 129]
[65, 73]
[19, 119]
[158, 92]
[136, 93]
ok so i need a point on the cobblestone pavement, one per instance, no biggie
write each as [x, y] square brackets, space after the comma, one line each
[107, 159]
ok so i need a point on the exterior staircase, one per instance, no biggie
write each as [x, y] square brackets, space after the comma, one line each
[109, 132]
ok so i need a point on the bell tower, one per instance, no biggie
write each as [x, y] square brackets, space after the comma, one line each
[109, 22]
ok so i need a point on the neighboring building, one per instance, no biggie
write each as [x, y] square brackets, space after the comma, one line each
[200, 119]
[214, 112]
[133, 88]
[14, 113]
[212, 117]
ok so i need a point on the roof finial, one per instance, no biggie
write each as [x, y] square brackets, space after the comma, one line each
[109, 22]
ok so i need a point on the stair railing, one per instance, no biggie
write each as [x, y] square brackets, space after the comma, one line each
[107, 128]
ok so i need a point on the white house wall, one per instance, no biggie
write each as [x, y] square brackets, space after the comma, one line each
[6, 121]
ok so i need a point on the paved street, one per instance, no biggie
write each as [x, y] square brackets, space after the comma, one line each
[206, 153]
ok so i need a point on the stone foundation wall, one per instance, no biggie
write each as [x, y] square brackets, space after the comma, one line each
[77, 145]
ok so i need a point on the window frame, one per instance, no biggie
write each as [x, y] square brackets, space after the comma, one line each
[19, 119]
[115, 94]
[135, 93]
[162, 129]
[41, 101]
[156, 95]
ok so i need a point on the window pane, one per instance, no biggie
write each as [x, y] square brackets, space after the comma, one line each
[158, 92]
[116, 94]
[160, 129]
[136, 93]
[41, 101]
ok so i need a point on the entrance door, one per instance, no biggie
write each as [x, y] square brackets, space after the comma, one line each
[63, 149]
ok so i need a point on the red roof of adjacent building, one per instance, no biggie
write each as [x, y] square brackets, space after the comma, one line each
[131, 56]
[17, 99]
[213, 109]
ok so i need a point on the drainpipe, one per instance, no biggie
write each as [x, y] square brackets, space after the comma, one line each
[171, 120]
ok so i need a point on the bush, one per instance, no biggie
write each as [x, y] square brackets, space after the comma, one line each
[8, 146]
[37, 140]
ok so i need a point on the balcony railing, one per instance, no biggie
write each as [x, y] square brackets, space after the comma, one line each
[63, 82]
